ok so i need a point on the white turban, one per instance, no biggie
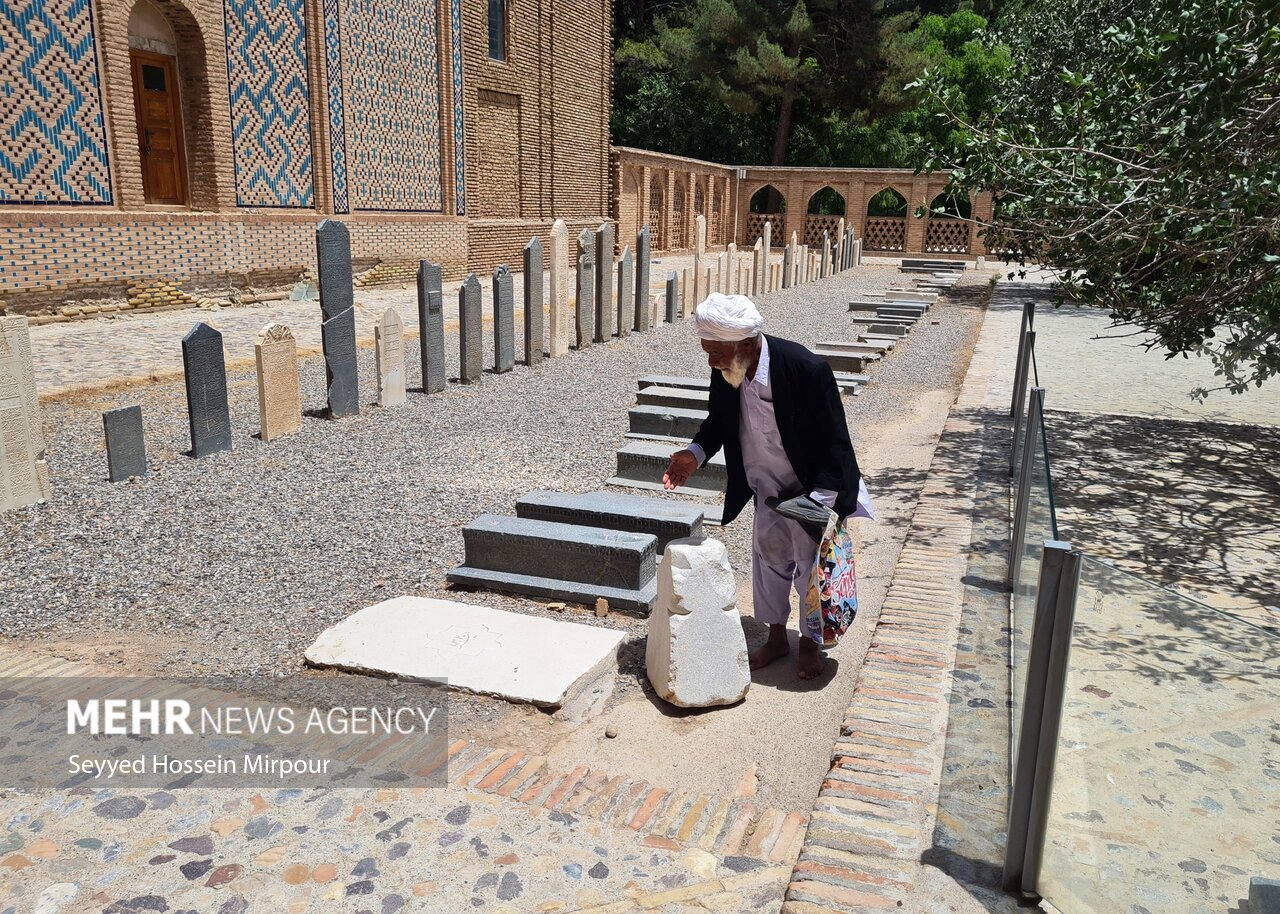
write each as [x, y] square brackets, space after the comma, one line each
[727, 318]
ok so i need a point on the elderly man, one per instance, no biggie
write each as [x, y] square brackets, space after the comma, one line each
[775, 409]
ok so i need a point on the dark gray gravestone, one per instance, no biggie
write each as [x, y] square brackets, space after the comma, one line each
[206, 378]
[786, 267]
[469, 325]
[604, 283]
[431, 326]
[585, 290]
[826, 255]
[338, 339]
[533, 301]
[673, 296]
[504, 321]
[625, 291]
[661, 517]
[643, 316]
[126, 449]
[333, 268]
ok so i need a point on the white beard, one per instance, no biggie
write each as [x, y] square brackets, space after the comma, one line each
[736, 373]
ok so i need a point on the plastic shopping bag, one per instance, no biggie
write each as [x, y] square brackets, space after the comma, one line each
[831, 601]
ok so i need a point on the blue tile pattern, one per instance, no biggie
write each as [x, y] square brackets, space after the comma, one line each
[459, 138]
[337, 120]
[270, 108]
[53, 141]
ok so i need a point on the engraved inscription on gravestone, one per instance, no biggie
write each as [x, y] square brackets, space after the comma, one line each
[643, 243]
[388, 341]
[469, 341]
[24, 474]
[504, 320]
[279, 396]
[585, 289]
[431, 326]
[206, 378]
[533, 311]
[625, 291]
[338, 339]
[333, 261]
[604, 283]
[673, 295]
[126, 449]
[558, 343]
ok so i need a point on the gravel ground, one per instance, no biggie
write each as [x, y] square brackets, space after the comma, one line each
[234, 562]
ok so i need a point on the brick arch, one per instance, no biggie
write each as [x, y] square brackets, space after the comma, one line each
[811, 194]
[882, 231]
[752, 189]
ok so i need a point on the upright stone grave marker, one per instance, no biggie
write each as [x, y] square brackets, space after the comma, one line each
[388, 344]
[338, 339]
[24, 474]
[837, 264]
[722, 273]
[626, 290]
[757, 282]
[699, 256]
[205, 368]
[687, 304]
[333, 262]
[766, 252]
[604, 283]
[643, 295]
[504, 320]
[673, 294]
[279, 394]
[431, 326]
[470, 322]
[533, 315]
[585, 290]
[786, 267]
[734, 269]
[558, 344]
[126, 448]
[826, 255]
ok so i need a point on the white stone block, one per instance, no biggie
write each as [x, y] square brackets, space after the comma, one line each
[696, 654]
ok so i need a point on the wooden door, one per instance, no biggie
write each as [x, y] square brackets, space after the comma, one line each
[155, 95]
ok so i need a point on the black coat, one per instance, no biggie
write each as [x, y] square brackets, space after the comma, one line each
[811, 422]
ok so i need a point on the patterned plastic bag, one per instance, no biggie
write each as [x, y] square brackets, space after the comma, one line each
[831, 601]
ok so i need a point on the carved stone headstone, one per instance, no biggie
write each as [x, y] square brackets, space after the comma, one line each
[504, 320]
[533, 312]
[388, 342]
[643, 295]
[24, 473]
[279, 395]
[126, 448]
[431, 326]
[338, 339]
[826, 255]
[687, 304]
[205, 368]
[626, 290]
[604, 283]
[734, 269]
[333, 268]
[839, 255]
[586, 289]
[673, 296]
[470, 323]
[786, 267]
[699, 257]
[757, 271]
[558, 343]
[722, 274]
[766, 251]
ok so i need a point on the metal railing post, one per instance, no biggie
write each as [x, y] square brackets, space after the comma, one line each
[1022, 496]
[1019, 392]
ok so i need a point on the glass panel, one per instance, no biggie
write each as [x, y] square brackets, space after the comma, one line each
[152, 78]
[1166, 791]
[498, 29]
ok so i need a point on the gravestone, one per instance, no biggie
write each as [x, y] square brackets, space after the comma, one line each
[643, 295]
[585, 290]
[24, 473]
[686, 299]
[804, 263]
[388, 344]
[707, 286]
[533, 315]
[470, 318]
[431, 326]
[333, 268]
[722, 273]
[838, 264]
[766, 251]
[655, 309]
[733, 269]
[504, 320]
[665, 519]
[696, 650]
[699, 257]
[604, 283]
[626, 290]
[826, 256]
[673, 295]
[126, 448]
[757, 274]
[279, 393]
[338, 339]
[205, 370]
[787, 266]
[560, 332]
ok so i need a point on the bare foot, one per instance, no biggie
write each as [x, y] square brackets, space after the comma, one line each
[810, 662]
[772, 649]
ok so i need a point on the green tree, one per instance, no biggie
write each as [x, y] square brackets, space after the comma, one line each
[1141, 157]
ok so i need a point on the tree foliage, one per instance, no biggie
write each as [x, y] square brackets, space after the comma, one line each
[1141, 156]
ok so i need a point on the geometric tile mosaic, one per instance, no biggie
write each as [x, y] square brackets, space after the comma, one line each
[337, 120]
[270, 109]
[459, 140]
[53, 142]
[391, 68]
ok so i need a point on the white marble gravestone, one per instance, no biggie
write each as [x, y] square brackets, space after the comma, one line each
[388, 341]
[24, 474]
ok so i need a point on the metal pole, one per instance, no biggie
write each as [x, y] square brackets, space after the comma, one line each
[1023, 482]
[1019, 392]
[1055, 684]
[1025, 762]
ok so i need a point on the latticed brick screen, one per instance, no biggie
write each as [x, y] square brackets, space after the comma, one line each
[755, 226]
[659, 237]
[946, 236]
[678, 239]
[885, 234]
[814, 226]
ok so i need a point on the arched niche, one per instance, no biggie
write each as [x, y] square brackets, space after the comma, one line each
[768, 200]
[888, 204]
[826, 201]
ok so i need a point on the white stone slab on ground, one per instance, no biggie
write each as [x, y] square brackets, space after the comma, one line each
[493, 652]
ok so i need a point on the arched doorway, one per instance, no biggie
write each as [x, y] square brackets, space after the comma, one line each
[948, 228]
[157, 103]
[886, 228]
[823, 214]
[766, 205]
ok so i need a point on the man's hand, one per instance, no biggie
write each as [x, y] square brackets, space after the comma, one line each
[681, 467]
